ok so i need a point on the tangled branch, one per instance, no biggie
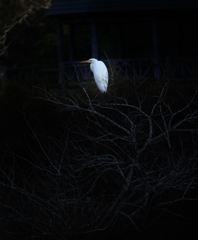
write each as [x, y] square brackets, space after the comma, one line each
[113, 161]
[17, 13]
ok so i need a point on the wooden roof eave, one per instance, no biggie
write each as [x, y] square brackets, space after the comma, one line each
[119, 16]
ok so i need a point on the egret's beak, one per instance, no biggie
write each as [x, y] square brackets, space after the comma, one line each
[86, 61]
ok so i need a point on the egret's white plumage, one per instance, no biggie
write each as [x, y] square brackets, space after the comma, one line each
[100, 73]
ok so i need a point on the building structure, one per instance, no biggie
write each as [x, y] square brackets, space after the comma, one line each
[141, 38]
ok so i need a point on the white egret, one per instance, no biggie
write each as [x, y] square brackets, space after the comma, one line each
[100, 73]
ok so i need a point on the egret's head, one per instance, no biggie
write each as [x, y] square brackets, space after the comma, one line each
[91, 60]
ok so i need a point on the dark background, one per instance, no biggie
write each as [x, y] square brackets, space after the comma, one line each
[41, 199]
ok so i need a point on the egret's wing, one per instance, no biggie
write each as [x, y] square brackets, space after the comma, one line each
[101, 76]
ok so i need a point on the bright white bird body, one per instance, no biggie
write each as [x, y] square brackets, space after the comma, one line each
[100, 73]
